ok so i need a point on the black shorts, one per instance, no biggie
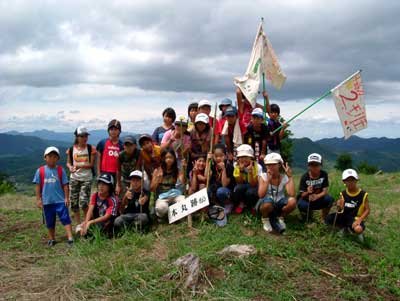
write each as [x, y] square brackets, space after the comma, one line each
[343, 221]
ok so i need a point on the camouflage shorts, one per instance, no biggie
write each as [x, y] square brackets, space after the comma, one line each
[79, 194]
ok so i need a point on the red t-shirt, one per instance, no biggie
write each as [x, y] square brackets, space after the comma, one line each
[107, 206]
[245, 116]
[109, 159]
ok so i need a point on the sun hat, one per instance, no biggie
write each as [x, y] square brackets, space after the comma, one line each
[273, 158]
[245, 150]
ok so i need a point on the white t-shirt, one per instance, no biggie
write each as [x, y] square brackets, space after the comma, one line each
[80, 158]
[276, 192]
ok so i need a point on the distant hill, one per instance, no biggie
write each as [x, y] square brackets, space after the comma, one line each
[68, 137]
[382, 152]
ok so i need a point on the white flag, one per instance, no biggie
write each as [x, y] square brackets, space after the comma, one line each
[349, 102]
[262, 59]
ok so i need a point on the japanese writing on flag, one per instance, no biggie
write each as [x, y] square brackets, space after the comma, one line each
[262, 60]
[349, 102]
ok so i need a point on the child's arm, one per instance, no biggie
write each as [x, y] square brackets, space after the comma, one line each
[225, 180]
[290, 184]
[239, 98]
[99, 163]
[118, 177]
[69, 164]
[252, 176]
[156, 179]
[66, 194]
[263, 185]
[282, 131]
[39, 202]
[364, 214]
[267, 108]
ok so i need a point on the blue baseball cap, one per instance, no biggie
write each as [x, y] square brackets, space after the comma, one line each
[225, 102]
[231, 111]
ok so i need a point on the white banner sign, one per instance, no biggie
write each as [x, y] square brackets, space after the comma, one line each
[350, 105]
[191, 204]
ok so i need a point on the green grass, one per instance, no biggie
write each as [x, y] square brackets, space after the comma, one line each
[133, 267]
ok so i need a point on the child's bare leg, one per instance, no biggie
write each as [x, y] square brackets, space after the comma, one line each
[77, 217]
[358, 229]
[324, 213]
[85, 210]
[52, 233]
[290, 206]
[68, 229]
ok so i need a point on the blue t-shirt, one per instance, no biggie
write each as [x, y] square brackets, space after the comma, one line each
[52, 191]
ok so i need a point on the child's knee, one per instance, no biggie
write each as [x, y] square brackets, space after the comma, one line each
[161, 208]
[358, 229]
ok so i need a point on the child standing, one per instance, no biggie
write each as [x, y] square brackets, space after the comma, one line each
[169, 117]
[205, 108]
[108, 150]
[135, 204]
[192, 112]
[273, 205]
[128, 161]
[150, 158]
[274, 142]
[178, 139]
[165, 181]
[257, 135]
[246, 173]
[200, 135]
[314, 185]
[52, 194]
[245, 108]
[232, 132]
[80, 162]
[103, 207]
[353, 205]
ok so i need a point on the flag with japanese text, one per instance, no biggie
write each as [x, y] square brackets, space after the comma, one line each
[262, 60]
[350, 105]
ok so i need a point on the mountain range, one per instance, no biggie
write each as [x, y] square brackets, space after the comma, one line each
[22, 153]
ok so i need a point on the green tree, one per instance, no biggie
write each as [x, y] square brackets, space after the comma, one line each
[366, 168]
[344, 161]
[5, 185]
[287, 145]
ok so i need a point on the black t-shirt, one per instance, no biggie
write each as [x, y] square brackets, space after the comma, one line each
[256, 138]
[274, 142]
[134, 206]
[318, 183]
[216, 175]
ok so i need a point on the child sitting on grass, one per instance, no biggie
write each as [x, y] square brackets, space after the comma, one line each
[103, 207]
[274, 205]
[135, 204]
[52, 195]
[198, 178]
[353, 207]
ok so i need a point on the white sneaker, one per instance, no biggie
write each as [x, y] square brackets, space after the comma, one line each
[360, 238]
[78, 228]
[282, 224]
[266, 224]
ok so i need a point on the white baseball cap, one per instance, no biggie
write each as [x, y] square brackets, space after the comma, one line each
[135, 173]
[204, 102]
[245, 150]
[349, 173]
[273, 158]
[81, 130]
[257, 112]
[51, 149]
[314, 157]
[201, 118]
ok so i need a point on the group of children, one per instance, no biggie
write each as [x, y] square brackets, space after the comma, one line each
[236, 156]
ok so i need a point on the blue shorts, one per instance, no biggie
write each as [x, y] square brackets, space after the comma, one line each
[277, 205]
[50, 212]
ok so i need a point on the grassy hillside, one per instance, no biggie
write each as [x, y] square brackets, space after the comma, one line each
[295, 266]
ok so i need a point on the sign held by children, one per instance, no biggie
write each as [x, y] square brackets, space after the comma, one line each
[191, 204]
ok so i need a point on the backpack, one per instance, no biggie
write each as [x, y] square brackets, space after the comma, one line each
[71, 157]
[41, 176]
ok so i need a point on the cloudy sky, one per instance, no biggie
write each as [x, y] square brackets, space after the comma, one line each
[66, 63]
